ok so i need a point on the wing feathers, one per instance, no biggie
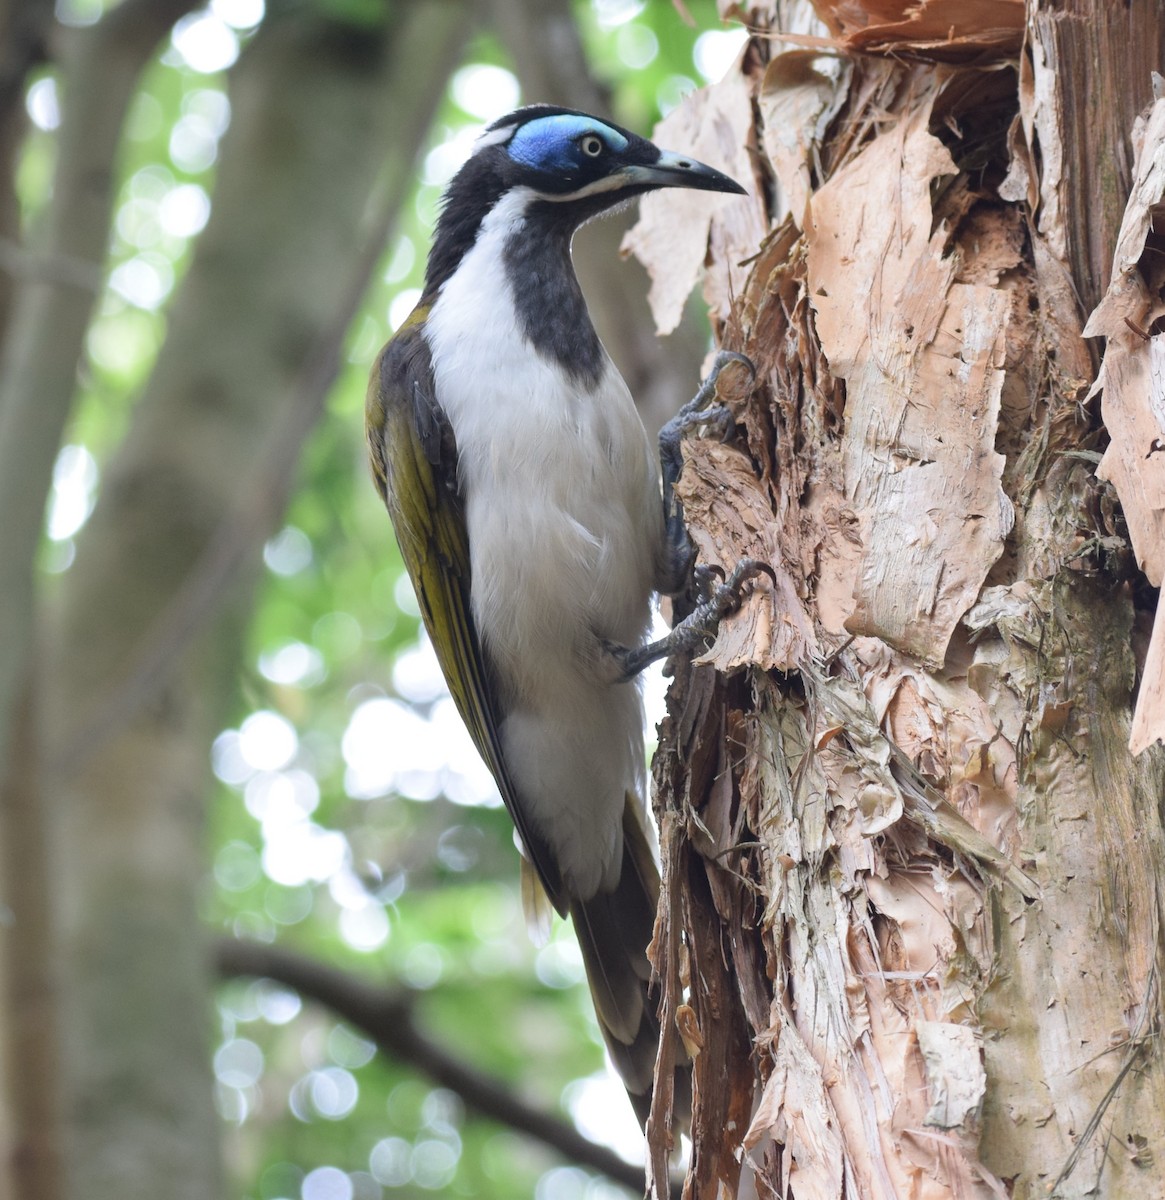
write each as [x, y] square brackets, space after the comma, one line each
[414, 459]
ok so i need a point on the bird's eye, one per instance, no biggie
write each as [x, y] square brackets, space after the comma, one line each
[591, 145]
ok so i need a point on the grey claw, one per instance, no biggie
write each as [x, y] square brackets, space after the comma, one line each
[729, 594]
[706, 578]
[708, 390]
[722, 598]
[724, 357]
[717, 417]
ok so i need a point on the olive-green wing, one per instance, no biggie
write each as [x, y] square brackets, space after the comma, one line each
[414, 461]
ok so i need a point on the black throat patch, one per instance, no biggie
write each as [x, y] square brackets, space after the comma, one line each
[547, 297]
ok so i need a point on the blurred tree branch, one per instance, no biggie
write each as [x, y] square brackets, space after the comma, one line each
[386, 1016]
[267, 486]
[326, 121]
[43, 319]
[24, 26]
[46, 331]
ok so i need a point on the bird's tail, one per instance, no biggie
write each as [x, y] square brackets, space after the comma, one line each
[613, 930]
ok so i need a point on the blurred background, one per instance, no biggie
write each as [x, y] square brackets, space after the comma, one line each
[243, 827]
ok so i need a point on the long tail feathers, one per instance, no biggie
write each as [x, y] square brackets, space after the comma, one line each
[614, 929]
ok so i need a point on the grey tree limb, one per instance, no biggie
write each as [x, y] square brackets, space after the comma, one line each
[385, 1015]
[50, 315]
[304, 184]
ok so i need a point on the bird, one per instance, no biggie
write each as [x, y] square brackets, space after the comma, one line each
[536, 521]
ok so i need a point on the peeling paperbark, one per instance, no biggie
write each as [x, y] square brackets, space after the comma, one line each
[924, 372]
[1132, 383]
[715, 125]
[906, 847]
[942, 30]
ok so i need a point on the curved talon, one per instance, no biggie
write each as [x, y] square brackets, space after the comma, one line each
[724, 357]
[750, 568]
[727, 596]
[702, 409]
[701, 624]
[719, 416]
[707, 388]
[706, 576]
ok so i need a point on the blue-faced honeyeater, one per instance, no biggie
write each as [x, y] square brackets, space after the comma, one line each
[527, 502]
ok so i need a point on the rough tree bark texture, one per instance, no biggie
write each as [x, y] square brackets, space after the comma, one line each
[912, 866]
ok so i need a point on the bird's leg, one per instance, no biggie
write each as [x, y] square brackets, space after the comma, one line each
[715, 597]
[716, 602]
[700, 410]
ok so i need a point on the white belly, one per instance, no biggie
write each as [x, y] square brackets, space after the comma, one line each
[564, 521]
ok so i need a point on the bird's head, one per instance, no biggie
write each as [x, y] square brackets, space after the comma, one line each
[568, 165]
[570, 157]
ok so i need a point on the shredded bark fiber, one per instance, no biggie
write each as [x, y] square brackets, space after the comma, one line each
[909, 928]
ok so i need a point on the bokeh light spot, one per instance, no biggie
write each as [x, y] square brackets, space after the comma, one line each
[446, 158]
[416, 673]
[239, 14]
[404, 255]
[326, 1183]
[716, 50]
[348, 1049]
[599, 1107]
[288, 552]
[401, 305]
[267, 741]
[74, 491]
[236, 867]
[43, 106]
[636, 45]
[293, 664]
[612, 13]
[184, 211]
[205, 42]
[485, 91]
[424, 965]
[276, 1005]
[391, 1162]
[434, 1163]
[365, 928]
[238, 1063]
[671, 93]
[334, 1092]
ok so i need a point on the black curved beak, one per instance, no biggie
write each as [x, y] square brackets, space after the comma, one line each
[677, 170]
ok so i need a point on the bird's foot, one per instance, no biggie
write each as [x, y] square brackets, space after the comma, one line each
[700, 410]
[717, 599]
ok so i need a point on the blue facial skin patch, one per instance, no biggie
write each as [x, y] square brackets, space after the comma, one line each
[551, 143]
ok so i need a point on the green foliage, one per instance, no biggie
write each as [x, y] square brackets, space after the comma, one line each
[397, 882]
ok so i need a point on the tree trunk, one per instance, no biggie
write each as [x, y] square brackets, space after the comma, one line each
[912, 868]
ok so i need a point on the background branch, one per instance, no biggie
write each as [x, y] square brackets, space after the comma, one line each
[386, 1016]
[46, 331]
[256, 510]
[195, 487]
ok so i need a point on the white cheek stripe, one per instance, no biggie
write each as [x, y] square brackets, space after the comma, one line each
[609, 183]
[494, 137]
